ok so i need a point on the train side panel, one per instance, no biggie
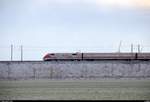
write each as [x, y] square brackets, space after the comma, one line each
[143, 56]
[63, 56]
[98, 56]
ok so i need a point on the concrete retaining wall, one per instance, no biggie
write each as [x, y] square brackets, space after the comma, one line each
[74, 69]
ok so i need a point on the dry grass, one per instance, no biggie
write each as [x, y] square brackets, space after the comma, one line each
[75, 90]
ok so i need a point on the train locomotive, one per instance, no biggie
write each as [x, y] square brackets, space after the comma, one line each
[96, 56]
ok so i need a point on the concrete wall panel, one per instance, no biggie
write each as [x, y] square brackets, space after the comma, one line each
[74, 69]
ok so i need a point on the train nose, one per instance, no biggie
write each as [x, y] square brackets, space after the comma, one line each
[46, 57]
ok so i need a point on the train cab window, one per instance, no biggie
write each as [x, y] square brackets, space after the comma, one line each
[74, 54]
[52, 54]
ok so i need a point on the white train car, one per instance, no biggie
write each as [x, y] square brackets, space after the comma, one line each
[143, 56]
[111, 56]
[62, 56]
[96, 56]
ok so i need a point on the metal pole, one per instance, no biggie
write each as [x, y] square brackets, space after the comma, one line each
[11, 52]
[21, 53]
[131, 48]
[119, 46]
[138, 48]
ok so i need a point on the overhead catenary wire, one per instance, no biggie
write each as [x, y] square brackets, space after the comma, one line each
[21, 52]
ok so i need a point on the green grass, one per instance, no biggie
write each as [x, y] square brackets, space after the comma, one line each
[75, 89]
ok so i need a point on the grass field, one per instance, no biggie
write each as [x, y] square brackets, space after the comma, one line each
[75, 90]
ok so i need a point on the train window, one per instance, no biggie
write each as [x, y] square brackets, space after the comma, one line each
[52, 54]
[74, 54]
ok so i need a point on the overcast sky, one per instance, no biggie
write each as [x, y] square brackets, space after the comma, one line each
[72, 25]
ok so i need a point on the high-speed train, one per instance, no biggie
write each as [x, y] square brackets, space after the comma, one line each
[96, 56]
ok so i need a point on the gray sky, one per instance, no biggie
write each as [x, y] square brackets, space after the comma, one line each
[43, 26]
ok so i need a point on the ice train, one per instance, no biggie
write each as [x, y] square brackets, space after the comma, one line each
[96, 56]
